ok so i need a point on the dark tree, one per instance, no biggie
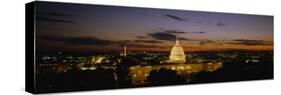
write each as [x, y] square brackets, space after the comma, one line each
[165, 76]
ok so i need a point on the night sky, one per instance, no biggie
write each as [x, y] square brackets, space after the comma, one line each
[76, 27]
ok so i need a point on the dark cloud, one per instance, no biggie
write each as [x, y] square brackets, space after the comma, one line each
[192, 47]
[148, 41]
[174, 31]
[197, 32]
[80, 40]
[206, 42]
[181, 32]
[101, 42]
[144, 14]
[186, 39]
[174, 17]
[143, 46]
[168, 36]
[245, 42]
[180, 38]
[210, 42]
[248, 42]
[53, 20]
[142, 37]
[162, 36]
[55, 17]
[45, 13]
[220, 24]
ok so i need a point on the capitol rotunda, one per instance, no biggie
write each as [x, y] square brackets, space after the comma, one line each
[177, 54]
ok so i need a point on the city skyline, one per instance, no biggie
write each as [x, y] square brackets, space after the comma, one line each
[84, 47]
[72, 27]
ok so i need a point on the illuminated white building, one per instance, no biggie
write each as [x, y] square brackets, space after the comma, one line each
[125, 51]
[177, 54]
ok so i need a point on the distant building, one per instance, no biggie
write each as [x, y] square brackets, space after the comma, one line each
[125, 51]
[177, 54]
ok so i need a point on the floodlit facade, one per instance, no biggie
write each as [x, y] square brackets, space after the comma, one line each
[177, 54]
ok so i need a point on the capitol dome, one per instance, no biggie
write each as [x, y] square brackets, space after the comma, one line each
[177, 54]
